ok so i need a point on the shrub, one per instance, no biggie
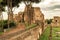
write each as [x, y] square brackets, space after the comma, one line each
[5, 24]
[49, 21]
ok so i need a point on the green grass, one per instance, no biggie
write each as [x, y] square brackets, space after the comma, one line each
[54, 34]
[1, 33]
[31, 26]
[45, 35]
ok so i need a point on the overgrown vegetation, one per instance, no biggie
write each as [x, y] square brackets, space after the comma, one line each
[5, 24]
[55, 35]
[48, 21]
[31, 26]
[1, 33]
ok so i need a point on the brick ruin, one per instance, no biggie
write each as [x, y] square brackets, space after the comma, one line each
[18, 17]
[56, 21]
[33, 15]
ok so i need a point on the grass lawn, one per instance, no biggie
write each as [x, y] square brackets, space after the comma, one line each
[55, 35]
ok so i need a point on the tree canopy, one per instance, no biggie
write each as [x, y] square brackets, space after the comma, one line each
[36, 1]
[30, 1]
[1, 6]
[0, 0]
[16, 2]
[48, 21]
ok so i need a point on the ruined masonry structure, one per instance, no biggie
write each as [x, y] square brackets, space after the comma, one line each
[31, 15]
[18, 17]
[56, 21]
[34, 13]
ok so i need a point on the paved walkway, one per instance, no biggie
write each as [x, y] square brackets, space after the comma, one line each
[12, 32]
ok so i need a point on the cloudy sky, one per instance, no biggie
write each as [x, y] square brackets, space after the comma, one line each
[49, 8]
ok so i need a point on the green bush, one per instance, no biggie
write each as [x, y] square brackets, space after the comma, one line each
[5, 24]
[31, 26]
[12, 24]
[49, 21]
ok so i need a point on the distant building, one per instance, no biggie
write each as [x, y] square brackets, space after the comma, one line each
[56, 21]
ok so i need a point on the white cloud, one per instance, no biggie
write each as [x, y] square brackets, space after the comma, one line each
[5, 15]
[48, 7]
[49, 3]
[50, 14]
[21, 8]
[51, 8]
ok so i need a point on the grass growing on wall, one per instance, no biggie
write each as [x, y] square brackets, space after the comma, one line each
[30, 26]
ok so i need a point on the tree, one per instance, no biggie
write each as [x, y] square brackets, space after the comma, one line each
[14, 3]
[48, 21]
[10, 4]
[1, 15]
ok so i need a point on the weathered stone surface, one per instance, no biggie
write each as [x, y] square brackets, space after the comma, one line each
[31, 34]
[18, 17]
[56, 21]
[21, 26]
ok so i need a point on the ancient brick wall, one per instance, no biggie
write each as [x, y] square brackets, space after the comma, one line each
[56, 21]
[38, 14]
[32, 34]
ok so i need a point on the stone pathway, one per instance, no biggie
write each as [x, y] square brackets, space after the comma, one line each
[12, 32]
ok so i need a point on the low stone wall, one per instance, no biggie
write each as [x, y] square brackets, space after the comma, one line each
[31, 34]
